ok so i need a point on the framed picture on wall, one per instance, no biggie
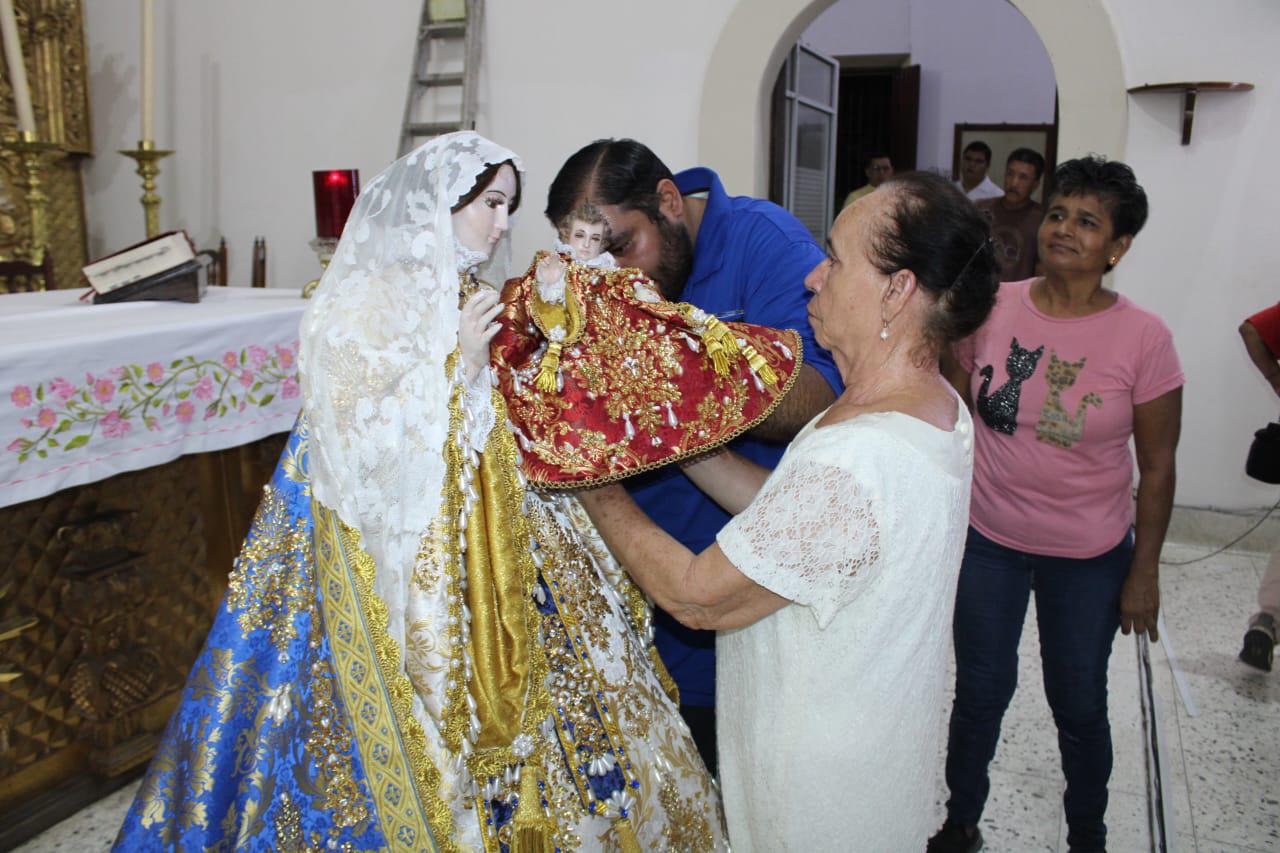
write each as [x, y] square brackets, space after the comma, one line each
[1003, 139]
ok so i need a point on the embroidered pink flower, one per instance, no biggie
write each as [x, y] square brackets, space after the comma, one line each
[114, 426]
[230, 360]
[289, 388]
[155, 371]
[285, 356]
[103, 390]
[47, 417]
[246, 378]
[165, 409]
[27, 422]
[21, 396]
[184, 411]
[16, 444]
[204, 388]
[152, 423]
[62, 389]
[117, 372]
[258, 356]
[243, 406]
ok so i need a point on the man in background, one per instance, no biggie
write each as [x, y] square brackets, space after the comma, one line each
[974, 182]
[878, 169]
[1015, 218]
[738, 258]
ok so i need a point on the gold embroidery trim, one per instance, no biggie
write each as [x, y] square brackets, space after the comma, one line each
[537, 707]
[510, 498]
[403, 782]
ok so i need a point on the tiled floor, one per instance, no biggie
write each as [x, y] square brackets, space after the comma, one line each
[1222, 773]
[1223, 763]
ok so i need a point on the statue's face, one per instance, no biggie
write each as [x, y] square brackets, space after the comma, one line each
[480, 224]
[587, 241]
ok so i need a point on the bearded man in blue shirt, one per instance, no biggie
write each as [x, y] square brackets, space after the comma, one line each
[741, 259]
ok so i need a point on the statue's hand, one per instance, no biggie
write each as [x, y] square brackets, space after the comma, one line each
[476, 329]
[550, 269]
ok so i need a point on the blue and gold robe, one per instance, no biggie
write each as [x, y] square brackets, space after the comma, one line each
[295, 730]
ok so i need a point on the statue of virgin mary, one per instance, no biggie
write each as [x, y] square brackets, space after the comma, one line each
[416, 650]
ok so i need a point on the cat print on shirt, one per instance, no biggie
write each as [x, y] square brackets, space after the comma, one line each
[1057, 426]
[999, 410]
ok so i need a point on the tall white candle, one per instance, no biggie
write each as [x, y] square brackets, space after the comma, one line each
[17, 68]
[148, 68]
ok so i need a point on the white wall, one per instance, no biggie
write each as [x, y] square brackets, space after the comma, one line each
[862, 27]
[255, 95]
[1208, 256]
[980, 62]
[630, 72]
[252, 96]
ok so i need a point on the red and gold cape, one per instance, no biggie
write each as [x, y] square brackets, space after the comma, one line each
[611, 380]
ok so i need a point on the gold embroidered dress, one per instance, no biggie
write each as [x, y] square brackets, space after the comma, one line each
[417, 651]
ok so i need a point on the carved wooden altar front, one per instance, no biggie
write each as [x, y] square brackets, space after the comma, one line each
[52, 34]
[123, 577]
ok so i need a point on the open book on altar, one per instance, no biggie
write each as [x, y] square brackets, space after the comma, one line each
[162, 268]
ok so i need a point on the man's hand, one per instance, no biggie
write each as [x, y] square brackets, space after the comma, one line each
[476, 329]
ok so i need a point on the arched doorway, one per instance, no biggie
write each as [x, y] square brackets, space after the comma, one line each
[734, 118]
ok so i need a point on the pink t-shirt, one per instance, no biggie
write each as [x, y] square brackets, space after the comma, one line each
[1054, 398]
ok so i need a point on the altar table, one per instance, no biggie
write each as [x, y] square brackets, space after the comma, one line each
[90, 391]
[134, 442]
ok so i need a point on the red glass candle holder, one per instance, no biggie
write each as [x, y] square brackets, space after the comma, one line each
[336, 191]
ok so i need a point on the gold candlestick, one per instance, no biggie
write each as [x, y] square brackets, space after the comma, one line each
[148, 157]
[324, 247]
[31, 152]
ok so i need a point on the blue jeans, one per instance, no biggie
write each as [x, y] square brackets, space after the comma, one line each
[1078, 610]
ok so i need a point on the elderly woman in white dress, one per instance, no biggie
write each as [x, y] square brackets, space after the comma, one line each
[832, 587]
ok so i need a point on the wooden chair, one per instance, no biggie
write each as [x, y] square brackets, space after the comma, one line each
[217, 267]
[259, 275]
[22, 277]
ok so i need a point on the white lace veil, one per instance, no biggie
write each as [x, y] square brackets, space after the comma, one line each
[374, 342]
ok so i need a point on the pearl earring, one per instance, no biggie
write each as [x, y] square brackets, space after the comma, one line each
[884, 333]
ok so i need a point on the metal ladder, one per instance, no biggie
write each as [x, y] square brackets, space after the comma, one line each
[447, 26]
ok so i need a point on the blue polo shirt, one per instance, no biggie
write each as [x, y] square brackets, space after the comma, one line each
[749, 264]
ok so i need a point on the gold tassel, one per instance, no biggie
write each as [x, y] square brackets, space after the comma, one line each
[721, 345]
[531, 829]
[625, 834]
[546, 381]
[760, 366]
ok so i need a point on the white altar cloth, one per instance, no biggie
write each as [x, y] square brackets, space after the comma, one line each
[90, 391]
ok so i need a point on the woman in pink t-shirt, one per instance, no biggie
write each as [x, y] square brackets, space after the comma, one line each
[1063, 373]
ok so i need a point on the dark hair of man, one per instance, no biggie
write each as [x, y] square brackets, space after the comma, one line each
[1028, 156]
[1113, 183]
[482, 183]
[621, 172]
[936, 232]
[866, 164]
[981, 147]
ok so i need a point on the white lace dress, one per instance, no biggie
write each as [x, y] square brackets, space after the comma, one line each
[830, 710]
